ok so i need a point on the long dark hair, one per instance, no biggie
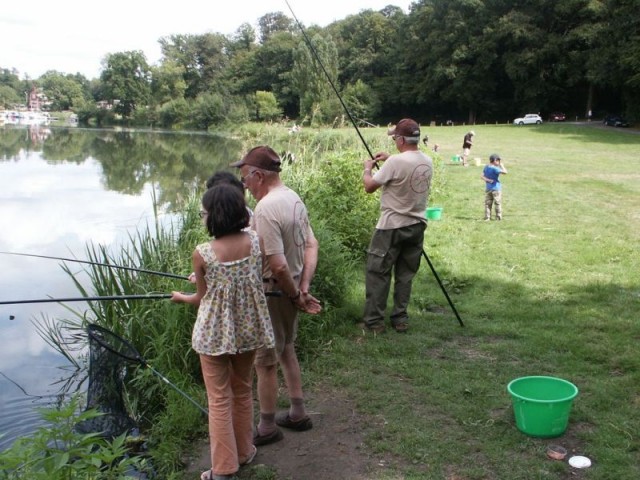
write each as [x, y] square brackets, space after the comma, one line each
[226, 210]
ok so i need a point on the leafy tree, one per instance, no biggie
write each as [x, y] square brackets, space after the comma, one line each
[272, 63]
[64, 91]
[317, 98]
[12, 89]
[203, 59]
[8, 97]
[174, 112]
[271, 23]
[613, 65]
[362, 101]
[244, 39]
[126, 78]
[11, 79]
[167, 82]
[267, 106]
[446, 56]
[208, 109]
[363, 42]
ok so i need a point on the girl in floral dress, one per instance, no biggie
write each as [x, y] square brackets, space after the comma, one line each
[232, 323]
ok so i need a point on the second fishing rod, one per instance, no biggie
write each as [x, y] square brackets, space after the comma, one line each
[344, 106]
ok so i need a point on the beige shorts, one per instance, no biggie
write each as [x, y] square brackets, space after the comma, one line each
[284, 318]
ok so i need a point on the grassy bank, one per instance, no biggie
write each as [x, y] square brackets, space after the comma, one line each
[553, 289]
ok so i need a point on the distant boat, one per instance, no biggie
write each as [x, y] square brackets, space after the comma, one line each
[12, 117]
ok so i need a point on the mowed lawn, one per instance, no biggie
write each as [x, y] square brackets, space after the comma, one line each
[553, 289]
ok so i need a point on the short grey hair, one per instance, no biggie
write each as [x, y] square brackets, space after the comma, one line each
[412, 140]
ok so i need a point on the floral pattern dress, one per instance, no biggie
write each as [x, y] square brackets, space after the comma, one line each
[233, 315]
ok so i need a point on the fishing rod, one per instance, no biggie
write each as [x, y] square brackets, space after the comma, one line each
[151, 296]
[88, 299]
[315, 54]
[141, 270]
[442, 288]
[317, 57]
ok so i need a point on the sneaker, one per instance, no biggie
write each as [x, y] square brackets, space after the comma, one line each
[487, 219]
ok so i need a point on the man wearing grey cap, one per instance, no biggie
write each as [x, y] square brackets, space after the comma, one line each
[291, 252]
[397, 243]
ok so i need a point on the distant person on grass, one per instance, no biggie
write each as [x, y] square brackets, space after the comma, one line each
[467, 143]
[232, 324]
[493, 192]
[291, 251]
[397, 242]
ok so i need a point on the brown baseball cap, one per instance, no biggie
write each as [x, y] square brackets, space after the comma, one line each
[262, 156]
[405, 128]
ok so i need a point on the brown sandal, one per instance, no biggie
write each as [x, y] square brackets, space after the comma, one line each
[401, 327]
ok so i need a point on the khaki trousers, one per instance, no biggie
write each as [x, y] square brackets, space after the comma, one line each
[229, 382]
[392, 252]
[493, 197]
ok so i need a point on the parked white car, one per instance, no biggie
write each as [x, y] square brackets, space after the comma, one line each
[528, 119]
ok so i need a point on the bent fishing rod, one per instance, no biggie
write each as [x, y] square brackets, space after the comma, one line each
[88, 262]
[317, 57]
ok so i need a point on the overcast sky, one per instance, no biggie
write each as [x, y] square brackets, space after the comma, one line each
[73, 36]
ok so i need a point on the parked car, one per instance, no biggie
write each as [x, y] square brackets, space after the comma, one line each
[615, 121]
[528, 119]
[557, 117]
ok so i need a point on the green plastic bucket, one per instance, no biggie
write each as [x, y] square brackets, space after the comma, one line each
[542, 405]
[434, 213]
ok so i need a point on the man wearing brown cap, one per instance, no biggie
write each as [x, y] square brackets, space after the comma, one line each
[291, 252]
[397, 242]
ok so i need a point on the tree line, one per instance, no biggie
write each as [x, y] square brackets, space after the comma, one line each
[460, 60]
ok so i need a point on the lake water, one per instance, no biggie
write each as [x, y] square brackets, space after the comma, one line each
[60, 189]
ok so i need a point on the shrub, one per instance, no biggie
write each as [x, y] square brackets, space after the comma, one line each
[59, 452]
[334, 194]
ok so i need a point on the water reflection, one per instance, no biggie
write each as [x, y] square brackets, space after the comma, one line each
[57, 193]
[128, 159]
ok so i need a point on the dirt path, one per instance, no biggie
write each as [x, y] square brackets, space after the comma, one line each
[332, 450]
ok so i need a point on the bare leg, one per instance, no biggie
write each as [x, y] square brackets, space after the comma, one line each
[293, 379]
[267, 397]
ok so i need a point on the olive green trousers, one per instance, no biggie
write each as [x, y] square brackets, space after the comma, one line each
[392, 253]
